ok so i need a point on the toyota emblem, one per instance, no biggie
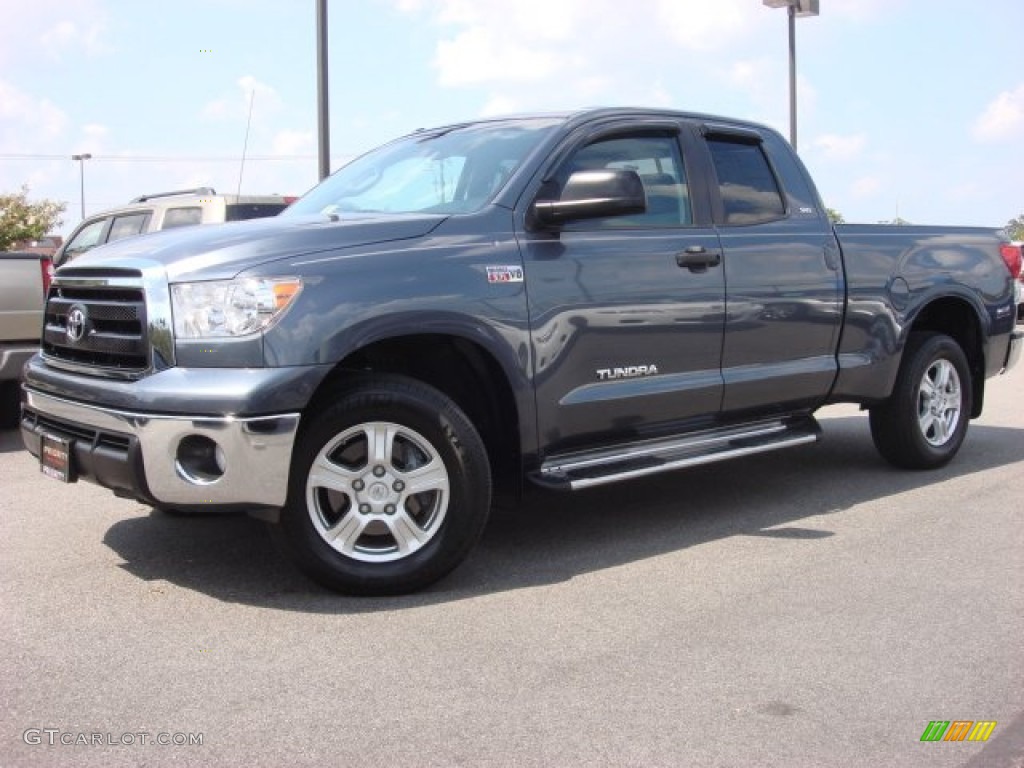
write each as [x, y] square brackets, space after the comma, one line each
[76, 324]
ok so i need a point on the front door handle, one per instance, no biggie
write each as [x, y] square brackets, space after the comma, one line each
[697, 258]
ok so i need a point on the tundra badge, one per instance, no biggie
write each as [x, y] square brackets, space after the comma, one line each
[626, 372]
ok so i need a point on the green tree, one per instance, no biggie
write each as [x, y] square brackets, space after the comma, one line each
[897, 222]
[21, 219]
[835, 216]
[1015, 228]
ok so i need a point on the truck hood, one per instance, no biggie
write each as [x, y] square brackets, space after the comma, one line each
[221, 251]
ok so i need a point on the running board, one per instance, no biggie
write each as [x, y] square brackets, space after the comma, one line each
[650, 457]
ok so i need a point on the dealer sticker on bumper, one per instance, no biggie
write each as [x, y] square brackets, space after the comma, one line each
[55, 458]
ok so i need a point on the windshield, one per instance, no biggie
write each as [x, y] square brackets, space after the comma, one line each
[450, 170]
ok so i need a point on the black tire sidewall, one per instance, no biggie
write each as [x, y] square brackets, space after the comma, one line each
[896, 427]
[436, 418]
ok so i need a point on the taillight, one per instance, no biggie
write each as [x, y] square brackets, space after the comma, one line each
[1012, 256]
[47, 267]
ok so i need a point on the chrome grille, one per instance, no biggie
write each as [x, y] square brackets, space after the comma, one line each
[97, 320]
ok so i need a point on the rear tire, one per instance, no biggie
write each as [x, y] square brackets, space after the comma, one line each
[390, 489]
[923, 423]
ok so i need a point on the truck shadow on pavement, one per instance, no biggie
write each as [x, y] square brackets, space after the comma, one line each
[10, 440]
[552, 538]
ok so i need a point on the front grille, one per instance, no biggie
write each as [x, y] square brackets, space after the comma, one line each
[97, 325]
[84, 434]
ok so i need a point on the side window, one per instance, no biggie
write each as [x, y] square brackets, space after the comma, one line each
[750, 193]
[658, 162]
[88, 237]
[244, 211]
[182, 217]
[128, 225]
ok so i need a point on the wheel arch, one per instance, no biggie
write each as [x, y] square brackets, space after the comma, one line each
[468, 372]
[959, 318]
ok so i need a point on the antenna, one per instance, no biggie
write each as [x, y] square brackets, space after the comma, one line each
[245, 144]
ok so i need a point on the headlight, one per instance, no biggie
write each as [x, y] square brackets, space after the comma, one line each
[230, 307]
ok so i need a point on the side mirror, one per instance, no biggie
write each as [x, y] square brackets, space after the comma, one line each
[594, 195]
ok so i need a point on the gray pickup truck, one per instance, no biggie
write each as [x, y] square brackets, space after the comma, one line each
[559, 300]
[24, 280]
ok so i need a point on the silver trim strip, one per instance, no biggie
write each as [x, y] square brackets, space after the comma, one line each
[696, 441]
[691, 461]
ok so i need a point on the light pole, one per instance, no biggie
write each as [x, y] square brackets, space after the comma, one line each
[81, 176]
[323, 121]
[794, 8]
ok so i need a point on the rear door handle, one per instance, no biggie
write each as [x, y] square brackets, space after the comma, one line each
[697, 258]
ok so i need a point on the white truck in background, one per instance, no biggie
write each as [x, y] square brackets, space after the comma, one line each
[24, 280]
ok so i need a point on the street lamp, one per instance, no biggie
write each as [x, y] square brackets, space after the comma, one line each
[323, 116]
[795, 8]
[81, 176]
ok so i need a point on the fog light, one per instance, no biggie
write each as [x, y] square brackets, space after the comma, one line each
[200, 460]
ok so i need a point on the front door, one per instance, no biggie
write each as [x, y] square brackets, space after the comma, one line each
[626, 338]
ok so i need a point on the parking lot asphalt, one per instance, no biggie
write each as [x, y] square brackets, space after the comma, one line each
[812, 607]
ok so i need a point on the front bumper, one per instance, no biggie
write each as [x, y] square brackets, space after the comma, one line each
[141, 455]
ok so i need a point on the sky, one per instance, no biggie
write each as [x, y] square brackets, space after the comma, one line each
[908, 108]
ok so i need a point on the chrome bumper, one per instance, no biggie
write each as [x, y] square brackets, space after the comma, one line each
[141, 454]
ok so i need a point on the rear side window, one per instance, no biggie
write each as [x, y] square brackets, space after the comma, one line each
[128, 225]
[750, 193]
[242, 211]
[182, 217]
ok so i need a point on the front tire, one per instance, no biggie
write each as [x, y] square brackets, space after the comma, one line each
[924, 422]
[390, 489]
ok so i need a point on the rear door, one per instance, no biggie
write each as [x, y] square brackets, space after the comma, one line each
[626, 342]
[783, 276]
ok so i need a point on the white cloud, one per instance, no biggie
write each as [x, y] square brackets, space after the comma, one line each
[747, 72]
[838, 147]
[701, 25]
[500, 105]
[863, 10]
[968, 190]
[263, 98]
[52, 27]
[482, 55]
[660, 96]
[67, 35]
[27, 121]
[807, 97]
[866, 186]
[762, 80]
[292, 143]
[559, 20]
[1003, 118]
[567, 43]
[92, 139]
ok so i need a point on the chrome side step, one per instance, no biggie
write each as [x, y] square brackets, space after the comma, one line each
[650, 457]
